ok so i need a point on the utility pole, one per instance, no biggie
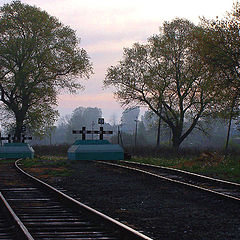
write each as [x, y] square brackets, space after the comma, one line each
[120, 140]
[229, 125]
[92, 128]
[136, 120]
[118, 134]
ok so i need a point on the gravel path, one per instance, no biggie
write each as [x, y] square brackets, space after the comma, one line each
[157, 208]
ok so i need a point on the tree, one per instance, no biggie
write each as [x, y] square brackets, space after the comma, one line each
[218, 43]
[165, 72]
[113, 119]
[83, 117]
[128, 118]
[39, 56]
[158, 131]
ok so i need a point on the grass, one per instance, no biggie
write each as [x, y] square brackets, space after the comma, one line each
[49, 166]
[51, 150]
[209, 164]
[6, 160]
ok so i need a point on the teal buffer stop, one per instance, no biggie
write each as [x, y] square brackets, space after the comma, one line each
[13, 150]
[94, 149]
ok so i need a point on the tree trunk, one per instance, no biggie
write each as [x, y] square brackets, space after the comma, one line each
[175, 143]
[176, 138]
[18, 130]
[228, 135]
[159, 127]
[229, 126]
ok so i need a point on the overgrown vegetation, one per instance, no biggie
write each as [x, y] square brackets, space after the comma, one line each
[49, 166]
[51, 150]
[213, 164]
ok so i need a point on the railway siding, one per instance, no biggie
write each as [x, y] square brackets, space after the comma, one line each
[225, 189]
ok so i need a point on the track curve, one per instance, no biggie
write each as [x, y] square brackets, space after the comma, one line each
[50, 214]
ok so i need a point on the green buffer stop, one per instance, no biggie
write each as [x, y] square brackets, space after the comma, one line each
[95, 150]
[16, 150]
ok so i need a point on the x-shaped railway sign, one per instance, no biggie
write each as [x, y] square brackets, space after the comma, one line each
[10, 138]
[84, 132]
[25, 138]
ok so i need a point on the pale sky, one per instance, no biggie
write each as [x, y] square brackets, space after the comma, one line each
[105, 27]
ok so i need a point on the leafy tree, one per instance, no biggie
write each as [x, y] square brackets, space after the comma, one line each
[60, 133]
[157, 129]
[113, 119]
[39, 56]
[128, 118]
[165, 72]
[218, 43]
[83, 117]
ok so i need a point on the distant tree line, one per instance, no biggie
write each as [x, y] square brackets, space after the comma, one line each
[209, 134]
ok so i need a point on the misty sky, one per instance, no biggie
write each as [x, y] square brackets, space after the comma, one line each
[105, 27]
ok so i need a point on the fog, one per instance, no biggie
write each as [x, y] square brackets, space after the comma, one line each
[139, 131]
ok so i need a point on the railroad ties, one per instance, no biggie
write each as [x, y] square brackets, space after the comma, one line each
[6, 228]
[224, 189]
[46, 215]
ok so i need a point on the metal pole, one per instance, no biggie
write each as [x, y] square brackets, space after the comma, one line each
[136, 120]
[83, 133]
[101, 133]
[118, 133]
[92, 128]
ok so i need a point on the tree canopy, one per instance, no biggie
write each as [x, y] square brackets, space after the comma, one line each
[167, 76]
[218, 43]
[82, 117]
[39, 56]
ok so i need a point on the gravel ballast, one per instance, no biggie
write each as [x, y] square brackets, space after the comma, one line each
[157, 208]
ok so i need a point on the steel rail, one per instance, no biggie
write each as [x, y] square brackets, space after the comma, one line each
[21, 231]
[155, 175]
[126, 232]
[197, 177]
[174, 170]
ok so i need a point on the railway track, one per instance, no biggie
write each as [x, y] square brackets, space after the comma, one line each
[225, 189]
[10, 225]
[6, 226]
[43, 212]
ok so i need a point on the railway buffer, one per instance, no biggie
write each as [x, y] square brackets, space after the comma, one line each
[13, 149]
[94, 149]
